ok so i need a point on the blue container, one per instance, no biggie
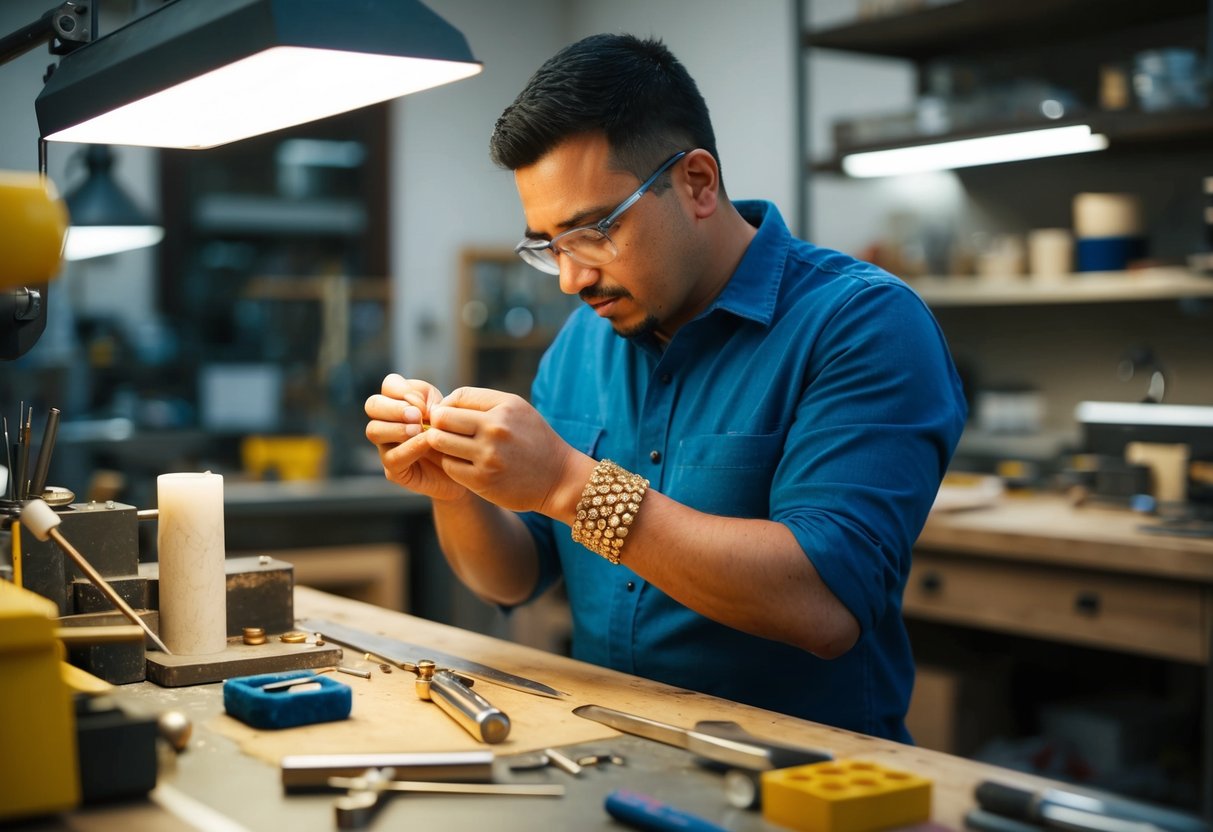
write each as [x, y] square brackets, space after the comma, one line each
[1109, 254]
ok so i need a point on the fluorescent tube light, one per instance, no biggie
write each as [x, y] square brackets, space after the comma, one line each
[197, 74]
[985, 150]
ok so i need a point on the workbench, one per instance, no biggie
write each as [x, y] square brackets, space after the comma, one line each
[227, 773]
[1041, 567]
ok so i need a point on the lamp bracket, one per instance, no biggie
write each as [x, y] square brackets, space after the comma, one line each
[68, 26]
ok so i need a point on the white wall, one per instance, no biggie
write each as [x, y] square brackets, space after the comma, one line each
[448, 195]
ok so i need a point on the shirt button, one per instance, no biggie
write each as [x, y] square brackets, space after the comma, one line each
[631, 586]
[655, 456]
[666, 378]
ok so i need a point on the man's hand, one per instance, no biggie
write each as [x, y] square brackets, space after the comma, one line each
[499, 447]
[397, 414]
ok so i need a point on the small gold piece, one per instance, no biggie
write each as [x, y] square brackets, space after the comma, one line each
[175, 727]
[385, 667]
[608, 506]
[254, 635]
[294, 637]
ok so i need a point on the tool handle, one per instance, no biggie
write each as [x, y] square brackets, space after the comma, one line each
[473, 712]
[1006, 800]
[644, 812]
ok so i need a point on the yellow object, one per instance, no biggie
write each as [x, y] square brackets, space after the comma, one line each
[38, 769]
[33, 227]
[285, 457]
[844, 796]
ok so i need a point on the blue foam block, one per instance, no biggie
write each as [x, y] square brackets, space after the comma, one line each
[246, 699]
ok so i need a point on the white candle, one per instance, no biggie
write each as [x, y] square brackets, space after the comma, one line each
[193, 584]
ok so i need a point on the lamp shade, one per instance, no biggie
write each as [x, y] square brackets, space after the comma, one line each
[200, 74]
[104, 219]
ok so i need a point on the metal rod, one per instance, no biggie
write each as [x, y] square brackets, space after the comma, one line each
[42, 467]
[107, 590]
[8, 453]
[22, 451]
[27, 37]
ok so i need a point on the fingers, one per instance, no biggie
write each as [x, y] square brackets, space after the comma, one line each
[476, 398]
[418, 393]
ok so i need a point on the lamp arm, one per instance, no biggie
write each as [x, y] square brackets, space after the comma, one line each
[68, 26]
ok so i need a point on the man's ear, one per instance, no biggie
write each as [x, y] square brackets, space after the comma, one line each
[702, 182]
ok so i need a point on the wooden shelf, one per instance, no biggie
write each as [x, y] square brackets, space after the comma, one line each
[1086, 287]
[983, 26]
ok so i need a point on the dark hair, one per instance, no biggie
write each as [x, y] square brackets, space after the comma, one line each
[635, 91]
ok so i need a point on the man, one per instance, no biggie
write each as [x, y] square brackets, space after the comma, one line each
[732, 446]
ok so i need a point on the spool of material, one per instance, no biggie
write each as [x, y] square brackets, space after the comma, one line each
[193, 598]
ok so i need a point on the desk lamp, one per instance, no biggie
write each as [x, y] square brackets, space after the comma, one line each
[200, 73]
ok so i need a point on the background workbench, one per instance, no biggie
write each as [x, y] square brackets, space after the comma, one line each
[214, 775]
[1099, 581]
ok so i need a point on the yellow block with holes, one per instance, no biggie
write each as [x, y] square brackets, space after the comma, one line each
[844, 796]
[37, 721]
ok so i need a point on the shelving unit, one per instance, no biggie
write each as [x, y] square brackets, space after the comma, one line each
[1032, 33]
[276, 255]
[1085, 287]
[1063, 337]
[509, 314]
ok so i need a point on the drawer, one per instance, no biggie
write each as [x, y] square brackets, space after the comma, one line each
[1153, 617]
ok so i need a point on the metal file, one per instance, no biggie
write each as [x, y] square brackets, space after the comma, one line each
[397, 650]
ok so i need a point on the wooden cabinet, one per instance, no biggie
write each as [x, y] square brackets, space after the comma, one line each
[1148, 616]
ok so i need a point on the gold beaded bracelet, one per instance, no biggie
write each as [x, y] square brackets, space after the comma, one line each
[607, 507]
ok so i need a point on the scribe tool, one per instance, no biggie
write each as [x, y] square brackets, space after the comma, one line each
[356, 809]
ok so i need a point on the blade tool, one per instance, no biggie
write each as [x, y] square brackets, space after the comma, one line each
[397, 651]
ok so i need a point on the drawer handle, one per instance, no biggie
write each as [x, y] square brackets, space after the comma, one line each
[1087, 603]
[931, 583]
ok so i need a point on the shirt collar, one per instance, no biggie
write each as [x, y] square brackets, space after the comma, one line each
[752, 290]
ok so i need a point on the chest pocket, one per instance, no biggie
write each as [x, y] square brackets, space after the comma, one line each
[726, 474]
[581, 435]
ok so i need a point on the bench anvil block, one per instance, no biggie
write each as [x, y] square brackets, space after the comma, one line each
[260, 593]
[844, 796]
[107, 534]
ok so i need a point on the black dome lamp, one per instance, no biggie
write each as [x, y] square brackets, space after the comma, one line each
[104, 218]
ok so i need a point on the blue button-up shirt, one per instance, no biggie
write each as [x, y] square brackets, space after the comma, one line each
[815, 391]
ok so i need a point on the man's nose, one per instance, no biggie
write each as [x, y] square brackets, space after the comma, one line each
[573, 276]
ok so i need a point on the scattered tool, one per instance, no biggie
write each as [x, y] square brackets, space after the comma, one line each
[42, 466]
[356, 809]
[310, 772]
[737, 748]
[1081, 810]
[470, 710]
[41, 519]
[400, 653]
[271, 701]
[644, 812]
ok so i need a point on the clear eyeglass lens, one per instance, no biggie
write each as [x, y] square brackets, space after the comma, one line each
[543, 259]
[589, 247]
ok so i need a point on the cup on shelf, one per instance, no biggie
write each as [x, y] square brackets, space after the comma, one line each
[1050, 253]
[1109, 229]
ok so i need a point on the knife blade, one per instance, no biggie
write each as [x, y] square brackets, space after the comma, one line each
[403, 651]
[750, 755]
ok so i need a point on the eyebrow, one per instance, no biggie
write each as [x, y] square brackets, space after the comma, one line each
[574, 221]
